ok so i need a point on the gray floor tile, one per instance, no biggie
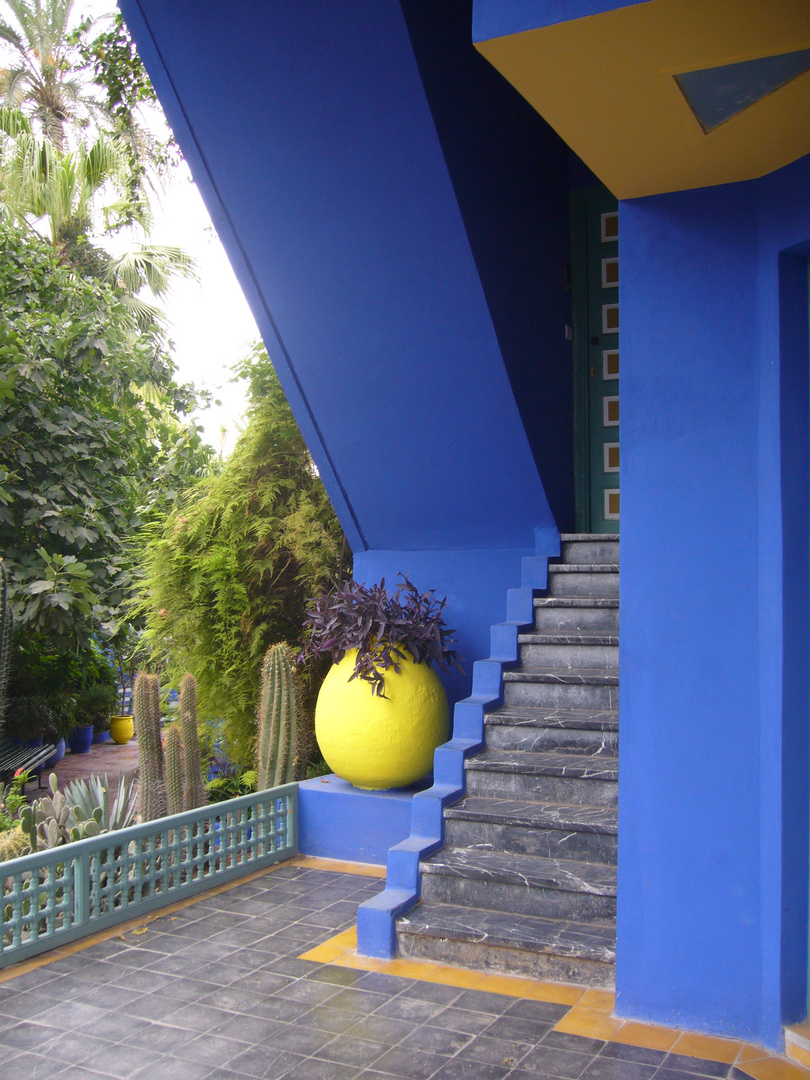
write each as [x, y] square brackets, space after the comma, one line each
[349, 1051]
[436, 1040]
[606, 1068]
[329, 1019]
[496, 1051]
[471, 1070]
[28, 1067]
[412, 1064]
[549, 1061]
[382, 1029]
[698, 1066]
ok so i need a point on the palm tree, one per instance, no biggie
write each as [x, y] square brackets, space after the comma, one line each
[42, 80]
[39, 181]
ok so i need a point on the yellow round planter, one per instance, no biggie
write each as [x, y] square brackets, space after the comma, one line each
[122, 728]
[381, 742]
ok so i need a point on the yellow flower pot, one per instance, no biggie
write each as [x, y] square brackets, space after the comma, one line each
[381, 742]
[122, 729]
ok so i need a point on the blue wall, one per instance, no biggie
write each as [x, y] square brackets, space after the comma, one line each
[497, 18]
[713, 856]
[308, 131]
[510, 174]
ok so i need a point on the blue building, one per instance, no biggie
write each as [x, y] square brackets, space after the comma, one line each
[425, 203]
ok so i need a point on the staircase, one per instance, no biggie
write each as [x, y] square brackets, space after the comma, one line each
[526, 880]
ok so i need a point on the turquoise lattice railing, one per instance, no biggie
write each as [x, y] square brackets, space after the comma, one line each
[53, 897]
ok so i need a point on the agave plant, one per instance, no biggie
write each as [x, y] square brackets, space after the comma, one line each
[86, 796]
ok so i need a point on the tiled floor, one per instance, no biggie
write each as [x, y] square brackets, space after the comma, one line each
[102, 759]
[217, 990]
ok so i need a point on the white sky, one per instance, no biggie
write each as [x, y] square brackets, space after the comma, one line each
[209, 321]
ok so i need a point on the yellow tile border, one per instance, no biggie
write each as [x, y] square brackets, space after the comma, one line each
[590, 1014]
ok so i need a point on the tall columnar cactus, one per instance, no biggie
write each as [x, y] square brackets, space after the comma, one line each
[174, 770]
[5, 638]
[150, 749]
[194, 789]
[281, 746]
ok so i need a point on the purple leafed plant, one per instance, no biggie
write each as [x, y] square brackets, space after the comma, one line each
[381, 627]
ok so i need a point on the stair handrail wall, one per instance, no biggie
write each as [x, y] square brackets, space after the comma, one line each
[376, 918]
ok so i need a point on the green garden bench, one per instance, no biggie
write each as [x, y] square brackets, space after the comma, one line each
[14, 756]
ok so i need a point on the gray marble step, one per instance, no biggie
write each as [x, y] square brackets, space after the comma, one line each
[552, 830]
[576, 614]
[554, 777]
[548, 949]
[528, 884]
[542, 650]
[590, 548]
[522, 727]
[574, 740]
[530, 716]
[570, 688]
[586, 580]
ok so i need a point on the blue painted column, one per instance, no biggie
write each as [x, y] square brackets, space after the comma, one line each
[713, 803]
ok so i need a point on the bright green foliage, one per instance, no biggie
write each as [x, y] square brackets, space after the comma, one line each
[95, 705]
[193, 786]
[12, 800]
[230, 571]
[14, 843]
[5, 638]
[281, 745]
[232, 785]
[174, 770]
[84, 458]
[150, 747]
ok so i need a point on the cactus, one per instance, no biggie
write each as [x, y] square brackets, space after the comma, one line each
[14, 843]
[47, 822]
[150, 750]
[174, 770]
[281, 744]
[5, 638]
[194, 794]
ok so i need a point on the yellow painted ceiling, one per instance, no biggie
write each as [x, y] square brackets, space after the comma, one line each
[606, 84]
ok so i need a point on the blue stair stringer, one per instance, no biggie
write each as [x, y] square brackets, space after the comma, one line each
[376, 918]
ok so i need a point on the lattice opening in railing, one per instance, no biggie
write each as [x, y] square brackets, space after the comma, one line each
[54, 896]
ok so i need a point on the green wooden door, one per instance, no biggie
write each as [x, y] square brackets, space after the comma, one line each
[595, 284]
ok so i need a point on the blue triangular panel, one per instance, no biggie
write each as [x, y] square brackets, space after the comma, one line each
[717, 94]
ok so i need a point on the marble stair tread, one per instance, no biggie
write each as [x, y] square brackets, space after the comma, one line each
[569, 676]
[576, 601]
[583, 941]
[526, 871]
[583, 568]
[568, 639]
[549, 763]
[539, 815]
[535, 716]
